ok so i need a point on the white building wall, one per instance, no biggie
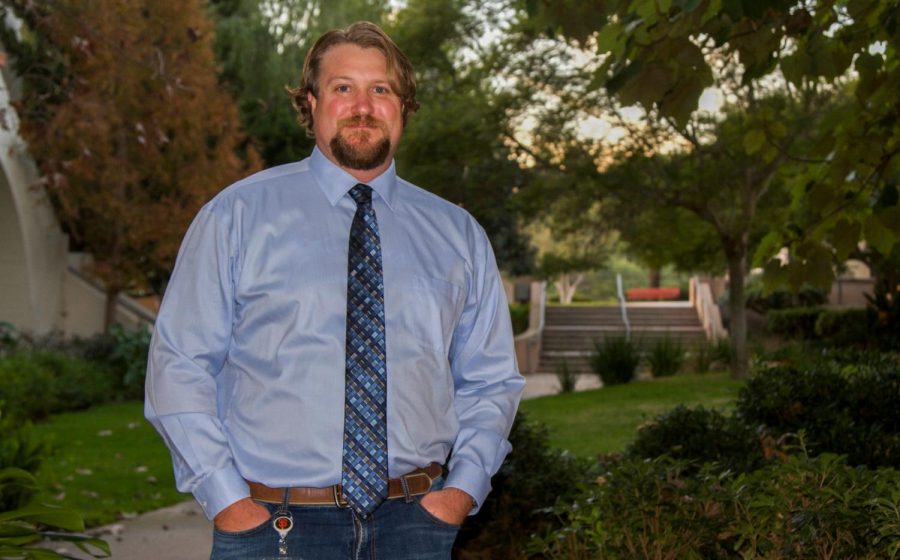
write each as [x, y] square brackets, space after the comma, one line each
[32, 246]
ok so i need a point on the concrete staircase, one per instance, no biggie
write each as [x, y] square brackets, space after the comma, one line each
[570, 332]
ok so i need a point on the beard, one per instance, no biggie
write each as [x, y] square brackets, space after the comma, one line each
[364, 154]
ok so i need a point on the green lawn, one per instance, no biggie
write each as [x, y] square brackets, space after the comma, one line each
[109, 463]
[606, 420]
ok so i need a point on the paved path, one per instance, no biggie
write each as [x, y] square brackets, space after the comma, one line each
[182, 532]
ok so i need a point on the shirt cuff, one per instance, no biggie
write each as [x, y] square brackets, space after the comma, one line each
[472, 480]
[221, 489]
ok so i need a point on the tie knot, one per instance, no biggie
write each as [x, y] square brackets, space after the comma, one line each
[362, 194]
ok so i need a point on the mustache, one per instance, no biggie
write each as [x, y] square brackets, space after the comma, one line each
[361, 120]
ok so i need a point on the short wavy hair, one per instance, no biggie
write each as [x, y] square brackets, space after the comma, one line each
[366, 35]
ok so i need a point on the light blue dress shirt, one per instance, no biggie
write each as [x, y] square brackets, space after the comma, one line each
[246, 372]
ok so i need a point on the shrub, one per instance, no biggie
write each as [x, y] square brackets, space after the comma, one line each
[567, 378]
[22, 448]
[519, 312]
[641, 509]
[26, 386]
[801, 508]
[130, 358]
[615, 360]
[763, 301]
[846, 409]
[666, 356]
[531, 480]
[702, 355]
[41, 383]
[799, 323]
[815, 507]
[845, 327]
[697, 436]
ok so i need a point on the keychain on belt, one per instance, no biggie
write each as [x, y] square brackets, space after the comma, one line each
[283, 522]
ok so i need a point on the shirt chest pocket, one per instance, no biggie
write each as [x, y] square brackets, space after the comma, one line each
[422, 310]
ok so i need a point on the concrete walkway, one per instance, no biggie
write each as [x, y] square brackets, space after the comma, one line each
[182, 532]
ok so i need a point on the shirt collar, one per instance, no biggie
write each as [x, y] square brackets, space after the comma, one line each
[335, 182]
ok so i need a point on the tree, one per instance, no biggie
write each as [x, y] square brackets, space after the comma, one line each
[455, 144]
[131, 132]
[779, 65]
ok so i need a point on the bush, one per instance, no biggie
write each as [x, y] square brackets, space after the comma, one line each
[708, 355]
[698, 436]
[519, 313]
[531, 480]
[641, 509]
[41, 383]
[845, 327]
[762, 301]
[666, 356]
[26, 386]
[802, 508]
[567, 378]
[22, 448]
[615, 360]
[842, 408]
[797, 323]
[130, 358]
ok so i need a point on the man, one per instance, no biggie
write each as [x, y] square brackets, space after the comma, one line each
[331, 335]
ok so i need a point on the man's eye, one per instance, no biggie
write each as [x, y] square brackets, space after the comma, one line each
[342, 88]
[381, 89]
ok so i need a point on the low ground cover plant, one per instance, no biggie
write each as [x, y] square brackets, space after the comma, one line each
[666, 357]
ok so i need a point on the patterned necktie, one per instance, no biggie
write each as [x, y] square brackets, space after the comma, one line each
[364, 475]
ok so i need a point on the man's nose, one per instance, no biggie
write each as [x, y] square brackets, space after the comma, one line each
[363, 103]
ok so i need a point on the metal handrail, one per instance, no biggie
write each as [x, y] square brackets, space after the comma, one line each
[621, 293]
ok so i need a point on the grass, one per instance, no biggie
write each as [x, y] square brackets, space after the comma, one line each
[606, 420]
[109, 463]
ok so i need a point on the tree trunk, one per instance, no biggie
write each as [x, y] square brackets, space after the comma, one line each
[737, 271]
[655, 277]
[566, 286]
[109, 314]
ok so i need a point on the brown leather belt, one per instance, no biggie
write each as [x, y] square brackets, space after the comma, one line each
[415, 483]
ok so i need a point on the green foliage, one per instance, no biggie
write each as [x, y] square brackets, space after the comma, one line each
[711, 354]
[815, 507]
[802, 508]
[642, 508]
[794, 323]
[698, 436]
[129, 358]
[763, 301]
[844, 407]
[37, 384]
[533, 477]
[666, 357]
[22, 448]
[26, 386]
[9, 338]
[845, 327]
[567, 378]
[519, 313]
[615, 359]
[26, 525]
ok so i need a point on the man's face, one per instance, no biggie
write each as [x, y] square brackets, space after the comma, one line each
[357, 114]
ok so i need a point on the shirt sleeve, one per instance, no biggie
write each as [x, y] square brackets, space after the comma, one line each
[487, 382]
[188, 348]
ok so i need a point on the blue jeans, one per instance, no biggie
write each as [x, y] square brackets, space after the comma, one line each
[397, 530]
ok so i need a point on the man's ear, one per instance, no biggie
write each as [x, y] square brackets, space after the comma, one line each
[312, 101]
